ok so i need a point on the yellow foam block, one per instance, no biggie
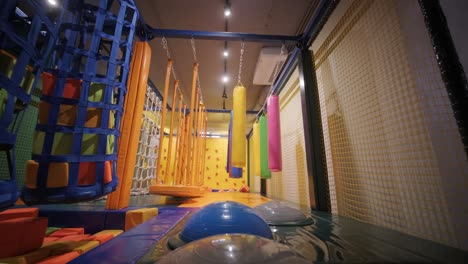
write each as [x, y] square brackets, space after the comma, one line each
[31, 174]
[112, 232]
[138, 216]
[29, 258]
[78, 246]
[58, 175]
[38, 142]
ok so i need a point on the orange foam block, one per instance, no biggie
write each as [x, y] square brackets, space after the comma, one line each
[138, 216]
[101, 238]
[87, 173]
[58, 175]
[21, 235]
[31, 174]
[19, 213]
[47, 240]
[93, 117]
[65, 258]
[67, 114]
[74, 238]
[68, 232]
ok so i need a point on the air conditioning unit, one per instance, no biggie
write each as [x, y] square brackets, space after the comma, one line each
[270, 61]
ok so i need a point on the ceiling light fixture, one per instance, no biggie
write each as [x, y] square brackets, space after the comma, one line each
[52, 2]
[225, 53]
[225, 79]
[227, 9]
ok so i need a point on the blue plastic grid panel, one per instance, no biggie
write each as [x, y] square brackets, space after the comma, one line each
[27, 34]
[89, 76]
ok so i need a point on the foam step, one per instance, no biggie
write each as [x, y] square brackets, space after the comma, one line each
[138, 216]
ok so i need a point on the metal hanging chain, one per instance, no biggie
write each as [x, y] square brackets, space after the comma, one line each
[194, 51]
[275, 74]
[240, 62]
[270, 92]
[168, 54]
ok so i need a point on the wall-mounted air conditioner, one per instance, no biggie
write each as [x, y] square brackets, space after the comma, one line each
[269, 62]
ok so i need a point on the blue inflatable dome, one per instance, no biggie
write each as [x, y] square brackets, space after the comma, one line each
[224, 218]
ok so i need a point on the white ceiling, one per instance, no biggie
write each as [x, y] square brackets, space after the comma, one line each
[275, 17]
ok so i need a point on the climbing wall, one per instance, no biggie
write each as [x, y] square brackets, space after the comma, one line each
[216, 176]
[391, 140]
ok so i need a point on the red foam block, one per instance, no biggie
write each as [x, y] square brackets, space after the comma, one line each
[19, 213]
[68, 232]
[74, 238]
[21, 235]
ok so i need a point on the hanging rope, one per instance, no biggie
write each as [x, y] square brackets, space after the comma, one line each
[240, 62]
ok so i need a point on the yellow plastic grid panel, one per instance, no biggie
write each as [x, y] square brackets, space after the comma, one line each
[387, 125]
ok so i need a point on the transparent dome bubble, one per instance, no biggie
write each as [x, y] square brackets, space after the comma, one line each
[276, 213]
[223, 218]
[233, 248]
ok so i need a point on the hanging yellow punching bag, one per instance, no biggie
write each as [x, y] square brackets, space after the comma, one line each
[239, 145]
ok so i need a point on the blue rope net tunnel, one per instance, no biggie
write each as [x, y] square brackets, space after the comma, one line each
[74, 151]
[26, 40]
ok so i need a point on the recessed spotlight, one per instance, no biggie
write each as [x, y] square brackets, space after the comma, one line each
[52, 2]
[225, 53]
[227, 12]
[225, 79]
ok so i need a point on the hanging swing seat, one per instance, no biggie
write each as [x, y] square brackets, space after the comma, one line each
[178, 190]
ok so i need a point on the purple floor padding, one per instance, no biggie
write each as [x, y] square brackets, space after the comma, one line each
[130, 246]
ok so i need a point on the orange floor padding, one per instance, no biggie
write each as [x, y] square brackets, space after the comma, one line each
[249, 199]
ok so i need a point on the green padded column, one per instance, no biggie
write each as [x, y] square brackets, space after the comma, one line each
[264, 171]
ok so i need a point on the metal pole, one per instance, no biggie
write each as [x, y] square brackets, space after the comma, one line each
[313, 133]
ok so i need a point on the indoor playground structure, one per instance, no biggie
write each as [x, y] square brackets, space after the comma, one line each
[231, 131]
